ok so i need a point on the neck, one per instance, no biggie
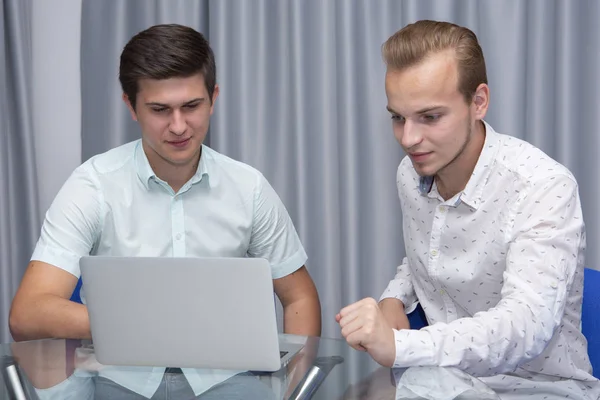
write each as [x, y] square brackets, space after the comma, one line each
[453, 178]
[176, 175]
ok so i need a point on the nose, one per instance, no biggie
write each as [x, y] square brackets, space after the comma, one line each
[177, 125]
[410, 135]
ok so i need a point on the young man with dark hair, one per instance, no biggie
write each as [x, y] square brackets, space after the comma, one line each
[166, 194]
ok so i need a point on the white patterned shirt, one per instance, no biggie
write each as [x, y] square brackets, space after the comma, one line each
[498, 269]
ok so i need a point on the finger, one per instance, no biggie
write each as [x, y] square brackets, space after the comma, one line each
[369, 311]
[351, 327]
[357, 305]
[345, 320]
[338, 317]
[355, 341]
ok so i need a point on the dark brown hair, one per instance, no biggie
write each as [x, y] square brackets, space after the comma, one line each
[166, 51]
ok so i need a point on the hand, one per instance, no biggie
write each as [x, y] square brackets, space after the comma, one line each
[393, 311]
[365, 328]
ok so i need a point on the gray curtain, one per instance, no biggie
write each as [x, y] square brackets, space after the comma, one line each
[19, 216]
[302, 99]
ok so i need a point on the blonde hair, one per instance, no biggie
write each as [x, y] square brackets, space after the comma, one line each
[413, 43]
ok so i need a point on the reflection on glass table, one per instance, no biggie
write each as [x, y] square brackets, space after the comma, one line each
[432, 383]
[324, 369]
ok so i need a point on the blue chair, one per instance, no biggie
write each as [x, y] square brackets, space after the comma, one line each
[590, 317]
[417, 318]
[76, 297]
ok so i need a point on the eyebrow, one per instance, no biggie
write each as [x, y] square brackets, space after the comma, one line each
[187, 103]
[429, 109]
[391, 111]
[422, 111]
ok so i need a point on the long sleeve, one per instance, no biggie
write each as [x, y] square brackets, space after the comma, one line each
[401, 288]
[544, 252]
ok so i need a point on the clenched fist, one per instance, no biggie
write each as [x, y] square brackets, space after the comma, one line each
[365, 328]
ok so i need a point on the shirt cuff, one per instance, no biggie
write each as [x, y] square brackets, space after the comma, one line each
[413, 348]
[397, 289]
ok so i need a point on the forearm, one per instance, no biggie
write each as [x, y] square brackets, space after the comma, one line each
[303, 317]
[393, 311]
[493, 342]
[49, 316]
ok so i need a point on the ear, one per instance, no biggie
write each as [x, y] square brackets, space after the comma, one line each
[129, 106]
[481, 101]
[214, 98]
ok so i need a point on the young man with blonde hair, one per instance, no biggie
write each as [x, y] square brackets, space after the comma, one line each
[493, 232]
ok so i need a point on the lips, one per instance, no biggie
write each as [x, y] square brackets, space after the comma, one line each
[419, 156]
[179, 143]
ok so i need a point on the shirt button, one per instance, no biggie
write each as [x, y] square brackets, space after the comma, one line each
[442, 292]
[442, 209]
[178, 237]
[434, 253]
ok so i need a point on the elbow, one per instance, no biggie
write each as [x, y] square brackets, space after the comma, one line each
[18, 323]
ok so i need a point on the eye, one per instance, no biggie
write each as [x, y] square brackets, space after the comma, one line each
[429, 118]
[159, 109]
[191, 106]
[398, 118]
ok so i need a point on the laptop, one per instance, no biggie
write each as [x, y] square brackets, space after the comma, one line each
[184, 312]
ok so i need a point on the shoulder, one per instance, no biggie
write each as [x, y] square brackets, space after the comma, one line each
[229, 171]
[111, 160]
[528, 163]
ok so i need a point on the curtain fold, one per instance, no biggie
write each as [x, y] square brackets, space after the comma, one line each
[302, 99]
[19, 216]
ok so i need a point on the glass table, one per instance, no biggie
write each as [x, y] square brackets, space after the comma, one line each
[324, 369]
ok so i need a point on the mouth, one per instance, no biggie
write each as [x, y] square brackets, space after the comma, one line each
[179, 143]
[420, 156]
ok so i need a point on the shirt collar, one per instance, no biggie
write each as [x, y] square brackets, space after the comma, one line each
[471, 195]
[145, 172]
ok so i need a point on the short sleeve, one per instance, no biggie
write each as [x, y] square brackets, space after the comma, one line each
[72, 223]
[274, 236]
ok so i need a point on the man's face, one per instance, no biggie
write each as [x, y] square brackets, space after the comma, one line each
[431, 120]
[174, 116]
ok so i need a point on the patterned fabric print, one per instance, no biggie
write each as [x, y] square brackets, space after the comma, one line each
[498, 268]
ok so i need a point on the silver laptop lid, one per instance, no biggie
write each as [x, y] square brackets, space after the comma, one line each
[182, 312]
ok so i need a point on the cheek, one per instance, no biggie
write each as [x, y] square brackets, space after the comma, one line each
[199, 121]
[154, 128]
[397, 132]
[451, 134]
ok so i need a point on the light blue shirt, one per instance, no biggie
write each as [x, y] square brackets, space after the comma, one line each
[114, 204]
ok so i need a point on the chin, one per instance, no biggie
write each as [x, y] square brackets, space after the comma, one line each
[182, 160]
[424, 170]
